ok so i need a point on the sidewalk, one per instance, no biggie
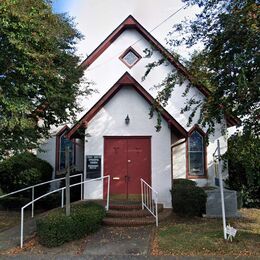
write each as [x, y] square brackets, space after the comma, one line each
[10, 238]
[114, 241]
[107, 243]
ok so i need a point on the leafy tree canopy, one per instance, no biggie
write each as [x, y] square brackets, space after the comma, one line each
[244, 167]
[228, 65]
[39, 72]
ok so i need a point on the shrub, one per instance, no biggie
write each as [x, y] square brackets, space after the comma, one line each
[50, 202]
[184, 182]
[13, 203]
[188, 200]
[24, 170]
[56, 228]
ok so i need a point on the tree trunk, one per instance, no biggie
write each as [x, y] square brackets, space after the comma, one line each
[68, 181]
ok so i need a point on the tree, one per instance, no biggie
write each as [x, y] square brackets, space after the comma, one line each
[244, 168]
[228, 63]
[39, 73]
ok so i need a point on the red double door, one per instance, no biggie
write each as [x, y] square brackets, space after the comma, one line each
[126, 160]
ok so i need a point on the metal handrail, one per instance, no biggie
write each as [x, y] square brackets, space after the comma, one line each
[40, 184]
[149, 201]
[62, 189]
[218, 156]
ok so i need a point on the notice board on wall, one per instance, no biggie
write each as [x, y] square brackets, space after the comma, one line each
[93, 164]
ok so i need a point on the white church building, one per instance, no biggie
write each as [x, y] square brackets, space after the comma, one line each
[116, 136]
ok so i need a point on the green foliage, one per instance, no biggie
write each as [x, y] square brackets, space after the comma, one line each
[39, 73]
[188, 199]
[244, 168]
[184, 182]
[56, 228]
[23, 170]
[13, 203]
[228, 65]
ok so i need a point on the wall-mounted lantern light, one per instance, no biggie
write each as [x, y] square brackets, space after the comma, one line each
[127, 120]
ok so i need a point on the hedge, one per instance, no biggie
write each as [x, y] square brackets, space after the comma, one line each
[23, 170]
[188, 199]
[56, 228]
[184, 182]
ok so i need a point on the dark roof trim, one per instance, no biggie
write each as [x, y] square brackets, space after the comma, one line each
[62, 130]
[126, 79]
[131, 23]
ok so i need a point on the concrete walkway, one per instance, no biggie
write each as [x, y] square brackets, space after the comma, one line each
[114, 241]
[118, 242]
[10, 238]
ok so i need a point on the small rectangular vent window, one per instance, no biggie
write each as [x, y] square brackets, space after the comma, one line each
[130, 57]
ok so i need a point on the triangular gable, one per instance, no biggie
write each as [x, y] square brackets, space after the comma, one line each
[128, 80]
[131, 23]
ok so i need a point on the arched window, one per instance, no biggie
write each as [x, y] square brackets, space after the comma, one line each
[196, 154]
[64, 143]
[61, 144]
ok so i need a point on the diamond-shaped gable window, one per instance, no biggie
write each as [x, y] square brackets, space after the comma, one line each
[130, 57]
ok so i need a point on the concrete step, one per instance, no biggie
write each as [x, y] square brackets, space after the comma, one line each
[129, 206]
[136, 221]
[125, 207]
[114, 213]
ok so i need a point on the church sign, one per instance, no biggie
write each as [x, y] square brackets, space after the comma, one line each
[93, 163]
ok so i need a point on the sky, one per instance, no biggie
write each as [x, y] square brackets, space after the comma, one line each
[96, 19]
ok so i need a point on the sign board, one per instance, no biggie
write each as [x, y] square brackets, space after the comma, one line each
[216, 173]
[217, 181]
[93, 163]
[231, 232]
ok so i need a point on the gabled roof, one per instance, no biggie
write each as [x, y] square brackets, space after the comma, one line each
[128, 80]
[131, 23]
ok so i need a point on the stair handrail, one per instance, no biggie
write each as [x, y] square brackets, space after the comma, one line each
[62, 204]
[40, 184]
[217, 156]
[149, 201]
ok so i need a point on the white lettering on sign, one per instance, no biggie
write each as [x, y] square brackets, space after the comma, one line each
[231, 232]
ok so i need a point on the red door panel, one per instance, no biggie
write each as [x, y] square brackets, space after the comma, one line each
[115, 157]
[139, 164]
[127, 160]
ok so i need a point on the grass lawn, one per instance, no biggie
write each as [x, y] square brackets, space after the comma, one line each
[204, 237]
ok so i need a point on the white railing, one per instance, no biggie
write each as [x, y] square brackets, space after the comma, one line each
[149, 199]
[62, 190]
[40, 184]
[217, 156]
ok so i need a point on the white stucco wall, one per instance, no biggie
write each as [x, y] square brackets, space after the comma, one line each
[79, 152]
[105, 71]
[111, 68]
[48, 153]
[110, 121]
